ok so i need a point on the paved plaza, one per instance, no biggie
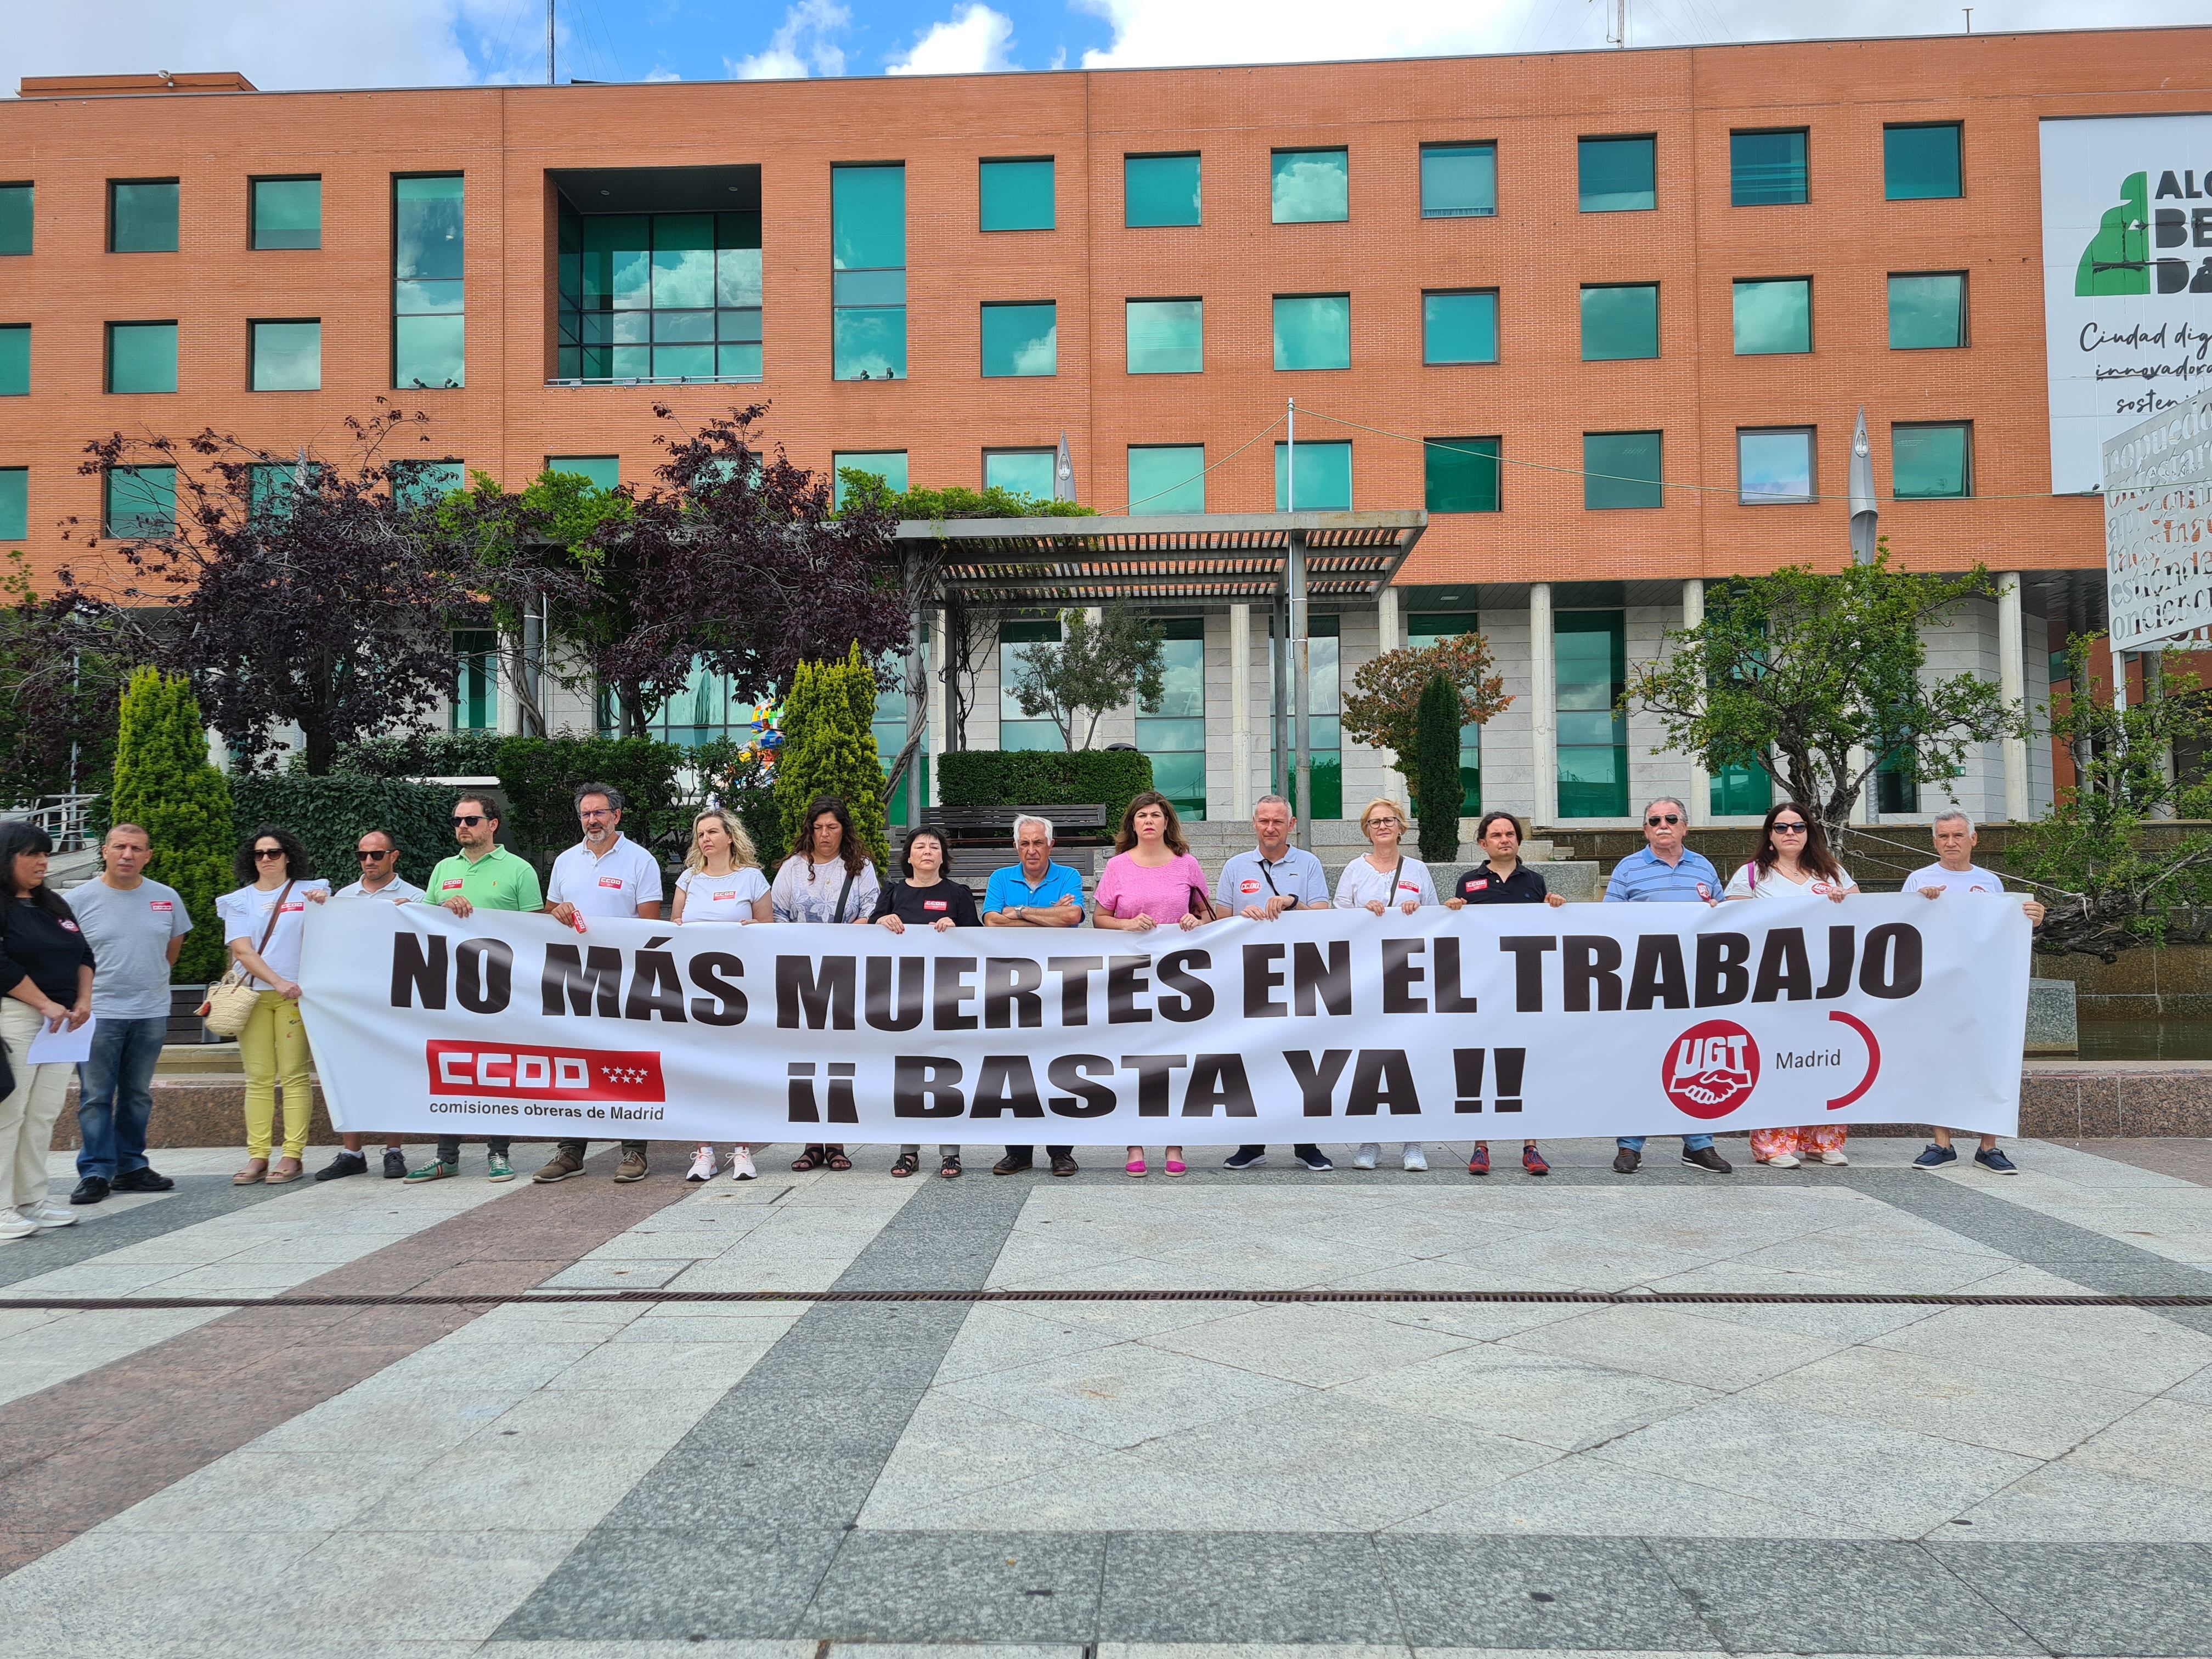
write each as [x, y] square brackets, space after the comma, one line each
[1203, 1477]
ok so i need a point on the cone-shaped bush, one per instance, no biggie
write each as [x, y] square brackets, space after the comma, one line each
[1435, 722]
[829, 749]
[164, 782]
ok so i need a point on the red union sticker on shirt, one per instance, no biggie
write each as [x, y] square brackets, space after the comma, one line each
[721, 897]
[1248, 887]
[934, 904]
[615, 882]
[541, 1073]
[1703, 891]
[449, 886]
[161, 905]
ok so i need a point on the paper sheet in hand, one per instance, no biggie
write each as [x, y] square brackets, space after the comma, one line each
[61, 1048]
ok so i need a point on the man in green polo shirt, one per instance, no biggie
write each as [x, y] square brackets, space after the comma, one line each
[483, 875]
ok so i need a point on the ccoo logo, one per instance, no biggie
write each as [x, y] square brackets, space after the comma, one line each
[1711, 1069]
[542, 1073]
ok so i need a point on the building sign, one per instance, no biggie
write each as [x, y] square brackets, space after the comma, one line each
[2158, 526]
[2127, 279]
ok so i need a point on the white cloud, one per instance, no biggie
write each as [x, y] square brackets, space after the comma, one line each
[972, 40]
[659, 73]
[801, 44]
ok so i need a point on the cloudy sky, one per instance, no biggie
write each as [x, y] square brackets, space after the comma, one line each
[284, 44]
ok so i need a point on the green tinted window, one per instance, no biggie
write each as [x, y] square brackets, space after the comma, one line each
[1589, 672]
[1774, 465]
[1618, 175]
[889, 464]
[16, 360]
[1931, 461]
[288, 213]
[1766, 169]
[1773, 317]
[1166, 337]
[1622, 469]
[660, 296]
[1459, 182]
[429, 255]
[272, 487]
[1462, 474]
[867, 211]
[605, 471]
[1016, 729]
[867, 217]
[1021, 340]
[141, 500]
[1313, 331]
[141, 218]
[1620, 321]
[287, 356]
[1167, 479]
[1023, 472]
[142, 357]
[419, 483]
[1920, 163]
[1017, 195]
[868, 343]
[15, 503]
[15, 219]
[1172, 729]
[1460, 328]
[1928, 313]
[1741, 791]
[476, 684]
[1159, 189]
[1324, 481]
[1311, 185]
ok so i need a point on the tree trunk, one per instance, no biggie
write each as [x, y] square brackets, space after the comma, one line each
[319, 747]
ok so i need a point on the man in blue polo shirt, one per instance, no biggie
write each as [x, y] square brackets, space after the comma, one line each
[1665, 871]
[1034, 893]
[1259, 886]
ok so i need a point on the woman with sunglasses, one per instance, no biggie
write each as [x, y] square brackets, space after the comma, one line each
[1793, 862]
[262, 921]
[926, 898]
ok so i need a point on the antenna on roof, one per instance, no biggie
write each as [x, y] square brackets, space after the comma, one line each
[549, 4]
[1616, 22]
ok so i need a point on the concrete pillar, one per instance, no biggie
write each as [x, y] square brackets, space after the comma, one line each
[939, 719]
[1387, 638]
[1543, 721]
[1701, 803]
[2012, 684]
[1240, 711]
[1863, 808]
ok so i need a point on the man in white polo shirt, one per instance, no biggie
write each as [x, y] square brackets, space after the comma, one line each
[378, 854]
[604, 874]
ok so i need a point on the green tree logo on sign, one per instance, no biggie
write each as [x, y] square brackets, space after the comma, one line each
[2118, 260]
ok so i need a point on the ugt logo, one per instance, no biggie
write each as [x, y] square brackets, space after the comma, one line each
[1711, 1069]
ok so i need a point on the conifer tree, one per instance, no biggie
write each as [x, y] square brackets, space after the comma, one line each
[1437, 785]
[164, 782]
[829, 749]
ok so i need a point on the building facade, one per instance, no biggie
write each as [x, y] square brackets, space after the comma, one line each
[1608, 317]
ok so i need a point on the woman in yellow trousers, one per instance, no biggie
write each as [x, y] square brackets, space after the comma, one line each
[262, 922]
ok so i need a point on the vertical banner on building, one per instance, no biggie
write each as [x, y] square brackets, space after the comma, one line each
[2158, 526]
[2127, 279]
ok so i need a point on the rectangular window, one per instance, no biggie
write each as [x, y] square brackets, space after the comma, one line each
[15, 503]
[660, 296]
[476, 683]
[1932, 461]
[1016, 729]
[1773, 316]
[1927, 313]
[1620, 321]
[1590, 672]
[286, 356]
[1167, 479]
[1172, 729]
[1920, 163]
[1462, 474]
[424, 484]
[16, 360]
[1896, 782]
[601, 471]
[1324, 721]
[1460, 327]
[1313, 331]
[288, 213]
[1016, 195]
[889, 464]
[1766, 169]
[1324, 480]
[1622, 469]
[428, 245]
[1737, 792]
[1774, 464]
[142, 215]
[1159, 189]
[271, 488]
[1021, 340]
[867, 236]
[141, 357]
[1459, 182]
[15, 219]
[1617, 175]
[1311, 186]
[1166, 337]
[141, 501]
[1426, 628]
[1020, 472]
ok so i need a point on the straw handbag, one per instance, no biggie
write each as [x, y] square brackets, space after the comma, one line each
[230, 1000]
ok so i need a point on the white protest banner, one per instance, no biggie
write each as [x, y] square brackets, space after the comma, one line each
[1597, 1019]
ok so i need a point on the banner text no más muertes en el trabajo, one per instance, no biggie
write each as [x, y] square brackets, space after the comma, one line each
[1339, 1026]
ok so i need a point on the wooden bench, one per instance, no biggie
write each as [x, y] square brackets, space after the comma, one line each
[995, 825]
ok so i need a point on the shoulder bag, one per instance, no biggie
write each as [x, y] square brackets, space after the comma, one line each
[230, 1000]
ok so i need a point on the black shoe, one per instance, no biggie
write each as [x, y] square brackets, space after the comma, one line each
[395, 1163]
[1062, 1165]
[1707, 1159]
[90, 1190]
[1013, 1163]
[144, 1180]
[1626, 1160]
[1245, 1158]
[1315, 1159]
[345, 1165]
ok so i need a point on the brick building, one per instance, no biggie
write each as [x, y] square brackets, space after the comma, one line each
[1608, 317]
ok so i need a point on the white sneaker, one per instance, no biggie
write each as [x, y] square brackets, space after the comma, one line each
[702, 1166]
[1369, 1152]
[741, 1164]
[15, 1225]
[1415, 1157]
[1836, 1158]
[47, 1217]
[1781, 1161]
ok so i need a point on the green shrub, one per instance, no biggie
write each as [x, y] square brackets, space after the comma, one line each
[1435, 722]
[829, 749]
[423, 755]
[329, 814]
[539, 777]
[164, 782]
[1044, 777]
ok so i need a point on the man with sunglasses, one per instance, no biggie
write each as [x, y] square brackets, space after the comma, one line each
[378, 854]
[1665, 871]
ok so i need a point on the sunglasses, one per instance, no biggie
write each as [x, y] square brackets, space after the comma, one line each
[468, 818]
[268, 852]
[366, 856]
[1784, 828]
[1663, 817]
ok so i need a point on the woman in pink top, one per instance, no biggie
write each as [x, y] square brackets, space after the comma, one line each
[1151, 881]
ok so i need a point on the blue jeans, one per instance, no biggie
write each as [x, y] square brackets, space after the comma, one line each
[115, 1097]
[1690, 1143]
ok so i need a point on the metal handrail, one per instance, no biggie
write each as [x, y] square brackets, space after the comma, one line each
[62, 817]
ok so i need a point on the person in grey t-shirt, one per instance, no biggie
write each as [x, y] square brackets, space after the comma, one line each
[135, 928]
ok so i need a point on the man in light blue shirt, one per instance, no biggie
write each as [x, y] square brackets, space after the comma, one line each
[1665, 871]
[1034, 893]
[1259, 886]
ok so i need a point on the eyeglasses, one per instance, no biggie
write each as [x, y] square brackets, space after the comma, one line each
[468, 818]
[268, 852]
[366, 856]
[597, 812]
[1378, 821]
[1781, 828]
[1657, 819]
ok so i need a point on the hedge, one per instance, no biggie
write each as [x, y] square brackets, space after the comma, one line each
[1043, 777]
[423, 755]
[329, 814]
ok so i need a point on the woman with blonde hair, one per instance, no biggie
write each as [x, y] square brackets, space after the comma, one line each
[721, 882]
[1379, 880]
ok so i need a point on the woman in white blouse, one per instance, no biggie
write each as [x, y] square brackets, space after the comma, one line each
[721, 882]
[1379, 880]
[829, 878]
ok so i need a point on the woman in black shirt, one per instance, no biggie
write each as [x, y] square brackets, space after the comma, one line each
[926, 898]
[45, 983]
[1501, 878]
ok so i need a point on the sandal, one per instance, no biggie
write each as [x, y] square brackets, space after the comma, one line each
[836, 1159]
[812, 1159]
[285, 1170]
[905, 1164]
[255, 1172]
[950, 1168]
